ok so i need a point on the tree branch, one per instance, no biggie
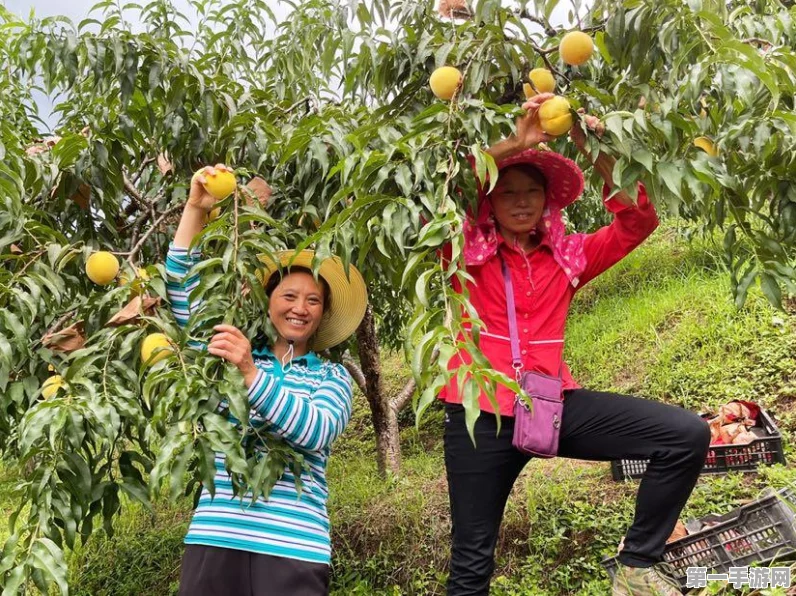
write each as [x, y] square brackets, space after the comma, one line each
[577, 16]
[399, 401]
[147, 213]
[356, 373]
[133, 193]
[61, 320]
[135, 250]
[594, 28]
[142, 167]
[549, 64]
[543, 53]
[549, 30]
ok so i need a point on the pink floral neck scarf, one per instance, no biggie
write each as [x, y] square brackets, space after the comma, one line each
[481, 240]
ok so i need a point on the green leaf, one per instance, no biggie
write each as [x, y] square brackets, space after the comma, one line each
[643, 157]
[472, 410]
[744, 284]
[672, 177]
[771, 289]
[46, 556]
[422, 287]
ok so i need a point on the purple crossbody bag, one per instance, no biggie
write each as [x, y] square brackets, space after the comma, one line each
[536, 430]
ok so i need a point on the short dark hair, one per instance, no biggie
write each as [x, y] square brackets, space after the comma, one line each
[277, 276]
[529, 170]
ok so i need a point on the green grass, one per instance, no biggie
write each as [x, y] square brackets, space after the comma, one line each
[661, 325]
[8, 479]
[142, 557]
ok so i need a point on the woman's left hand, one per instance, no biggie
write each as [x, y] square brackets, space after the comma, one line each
[592, 123]
[230, 344]
[529, 128]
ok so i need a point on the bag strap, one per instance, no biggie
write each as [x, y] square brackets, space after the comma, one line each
[511, 313]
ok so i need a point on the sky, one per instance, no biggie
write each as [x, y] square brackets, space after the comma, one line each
[79, 9]
[74, 9]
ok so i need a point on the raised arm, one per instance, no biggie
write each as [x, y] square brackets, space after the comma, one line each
[180, 259]
[632, 224]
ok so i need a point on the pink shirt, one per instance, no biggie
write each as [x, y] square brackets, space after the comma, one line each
[542, 296]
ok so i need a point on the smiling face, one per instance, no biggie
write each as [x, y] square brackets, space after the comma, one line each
[296, 307]
[518, 201]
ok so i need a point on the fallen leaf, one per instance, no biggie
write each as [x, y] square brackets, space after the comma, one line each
[82, 196]
[680, 531]
[164, 165]
[454, 9]
[66, 340]
[133, 311]
[34, 150]
[728, 432]
[261, 190]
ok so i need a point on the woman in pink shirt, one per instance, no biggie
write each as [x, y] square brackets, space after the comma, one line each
[519, 224]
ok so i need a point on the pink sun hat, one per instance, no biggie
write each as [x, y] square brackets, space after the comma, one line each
[563, 176]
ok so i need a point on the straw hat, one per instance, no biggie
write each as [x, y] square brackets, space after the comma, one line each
[348, 292]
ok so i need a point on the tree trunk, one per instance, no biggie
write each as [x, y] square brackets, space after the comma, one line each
[388, 443]
[384, 416]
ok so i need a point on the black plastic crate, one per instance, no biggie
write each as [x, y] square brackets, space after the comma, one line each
[760, 532]
[765, 450]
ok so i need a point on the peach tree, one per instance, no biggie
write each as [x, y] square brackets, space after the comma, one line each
[323, 108]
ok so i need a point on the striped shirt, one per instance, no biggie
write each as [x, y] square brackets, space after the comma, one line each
[308, 405]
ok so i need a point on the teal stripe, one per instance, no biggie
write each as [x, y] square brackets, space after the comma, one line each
[307, 497]
[270, 508]
[260, 526]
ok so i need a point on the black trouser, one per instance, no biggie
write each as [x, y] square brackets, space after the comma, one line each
[596, 426]
[212, 571]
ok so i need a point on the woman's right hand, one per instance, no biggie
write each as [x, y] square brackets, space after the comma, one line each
[198, 196]
[529, 127]
[199, 204]
[529, 131]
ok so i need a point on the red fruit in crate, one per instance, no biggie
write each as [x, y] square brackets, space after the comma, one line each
[710, 458]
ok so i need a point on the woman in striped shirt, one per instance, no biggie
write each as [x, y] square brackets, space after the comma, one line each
[279, 546]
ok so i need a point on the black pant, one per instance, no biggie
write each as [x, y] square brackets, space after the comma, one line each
[596, 426]
[212, 571]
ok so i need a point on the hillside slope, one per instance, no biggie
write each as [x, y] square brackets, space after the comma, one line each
[660, 325]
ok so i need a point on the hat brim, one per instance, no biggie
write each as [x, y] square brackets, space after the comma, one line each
[348, 290]
[563, 176]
